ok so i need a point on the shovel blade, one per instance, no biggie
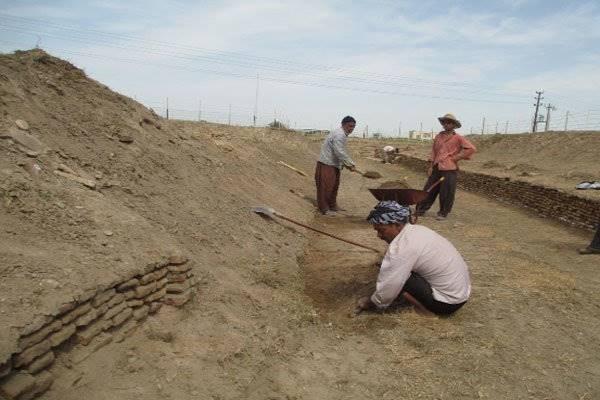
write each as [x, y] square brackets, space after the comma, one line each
[264, 211]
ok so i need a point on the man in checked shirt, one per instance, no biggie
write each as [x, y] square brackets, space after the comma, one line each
[448, 149]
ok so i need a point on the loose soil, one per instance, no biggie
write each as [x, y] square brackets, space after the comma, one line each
[394, 185]
[273, 316]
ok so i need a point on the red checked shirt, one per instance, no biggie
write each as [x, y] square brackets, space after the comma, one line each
[446, 147]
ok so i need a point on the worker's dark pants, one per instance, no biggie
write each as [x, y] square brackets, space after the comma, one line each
[327, 179]
[446, 190]
[421, 290]
[596, 240]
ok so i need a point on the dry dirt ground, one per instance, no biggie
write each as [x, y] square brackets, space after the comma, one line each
[272, 317]
[529, 331]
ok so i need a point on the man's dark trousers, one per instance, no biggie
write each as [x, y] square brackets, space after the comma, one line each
[446, 191]
[596, 240]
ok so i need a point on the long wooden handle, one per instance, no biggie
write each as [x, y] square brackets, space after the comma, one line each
[435, 184]
[292, 168]
[325, 233]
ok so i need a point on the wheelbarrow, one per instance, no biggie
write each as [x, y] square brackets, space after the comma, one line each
[405, 197]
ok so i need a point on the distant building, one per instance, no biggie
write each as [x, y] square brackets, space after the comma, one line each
[420, 135]
[314, 131]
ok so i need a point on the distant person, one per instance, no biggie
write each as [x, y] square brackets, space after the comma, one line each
[334, 156]
[594, 247]
[388, 153]
[448, 149]
[422, 266]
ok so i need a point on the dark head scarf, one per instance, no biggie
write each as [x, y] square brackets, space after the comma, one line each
[389, 212]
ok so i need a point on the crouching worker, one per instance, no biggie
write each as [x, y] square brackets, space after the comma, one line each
[419, 265]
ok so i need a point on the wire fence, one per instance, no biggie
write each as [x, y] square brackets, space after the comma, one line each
[582, 121]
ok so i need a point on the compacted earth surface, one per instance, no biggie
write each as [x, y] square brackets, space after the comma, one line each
[272, 315]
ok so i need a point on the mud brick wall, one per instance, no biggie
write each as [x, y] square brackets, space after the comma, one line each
[92, 320]
[544, 201]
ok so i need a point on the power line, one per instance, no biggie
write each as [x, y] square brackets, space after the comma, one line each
[196, 58]
[237, 59]
[280, 80]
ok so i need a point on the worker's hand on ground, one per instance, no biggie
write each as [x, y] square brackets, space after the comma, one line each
[364, 303]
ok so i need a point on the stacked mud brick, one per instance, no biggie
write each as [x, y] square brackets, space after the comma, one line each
[90, 321]
[544, 201]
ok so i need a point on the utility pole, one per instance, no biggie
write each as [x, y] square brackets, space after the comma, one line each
[566, 120]
[496, 130]
[421, 128]
[506, 128]
[229, 116]
[537, 108]
[471, 132]
[255, 101]
[199, 110]
[483, 126]
[400, 129]
[549, 107]
[587, 119]
[167, 108]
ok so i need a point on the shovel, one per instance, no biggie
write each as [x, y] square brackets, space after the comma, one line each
[268, 212]
[368, 174]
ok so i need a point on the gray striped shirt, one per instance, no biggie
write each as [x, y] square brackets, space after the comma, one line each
[333, 150]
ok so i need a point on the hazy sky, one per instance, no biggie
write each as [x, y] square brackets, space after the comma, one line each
[385, 62]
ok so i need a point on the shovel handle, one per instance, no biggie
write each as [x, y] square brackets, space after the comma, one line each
[325, 233]
[435, 184]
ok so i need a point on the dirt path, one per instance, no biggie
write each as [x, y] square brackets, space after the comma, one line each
[529, 331]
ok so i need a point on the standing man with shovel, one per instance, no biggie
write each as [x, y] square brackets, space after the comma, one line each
[448, 149]
[332, 159]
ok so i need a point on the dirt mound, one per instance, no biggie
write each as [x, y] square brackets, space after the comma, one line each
[93, 186]
[398, 184]
[492, 164]
[523, 167]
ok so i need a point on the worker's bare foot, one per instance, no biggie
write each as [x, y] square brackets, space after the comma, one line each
[589, 250]
[338, 209]
[330, 213]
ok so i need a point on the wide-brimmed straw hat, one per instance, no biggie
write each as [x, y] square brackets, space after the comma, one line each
[450, 117]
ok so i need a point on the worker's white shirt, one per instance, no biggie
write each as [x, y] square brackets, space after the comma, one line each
[333, 150]
[419, 249]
